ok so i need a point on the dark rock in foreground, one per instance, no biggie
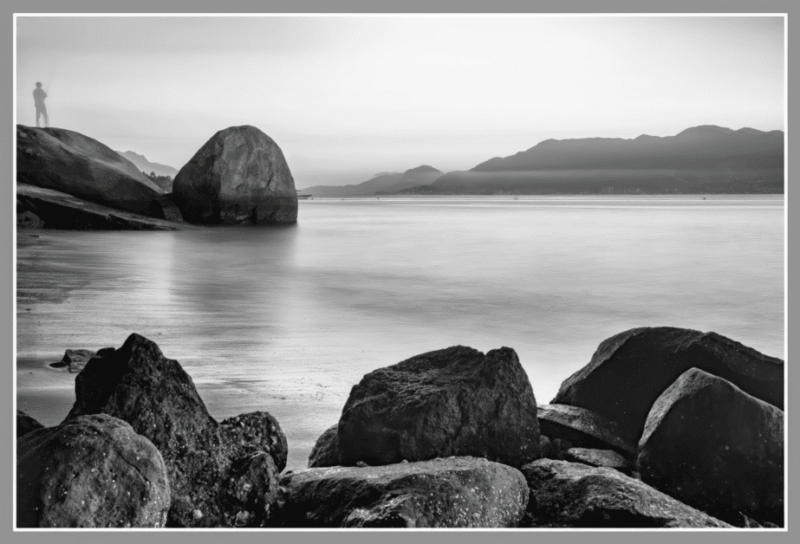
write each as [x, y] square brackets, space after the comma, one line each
[564, 494]
[581, 427]
[454, 492]
[712, 446]
[325, 452]
[154, 394]
[630, 370]
[455, 401]
[598, 458]
[57, 210]
[71, 163]
[26, 424]
[256, 432]
[251, 492]
[239, 176]
[92, 471]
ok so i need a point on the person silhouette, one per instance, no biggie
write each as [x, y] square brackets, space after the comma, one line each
[38, 100]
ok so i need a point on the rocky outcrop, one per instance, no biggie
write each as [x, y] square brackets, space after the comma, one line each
[455, 401]
[629, 371]
[71, 163]
[325, 452]
[711, 445]
[581, 427]
[26, 424]
[598, 458]
[57, 210]
[564, 494]
[137, 384]
[454, 492]
[92, 471]
[239, 176]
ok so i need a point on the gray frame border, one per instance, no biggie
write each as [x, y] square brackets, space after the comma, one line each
[365, 6]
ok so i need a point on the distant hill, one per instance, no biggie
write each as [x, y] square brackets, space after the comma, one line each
[703, 159]
[146, 166]
[386, 182]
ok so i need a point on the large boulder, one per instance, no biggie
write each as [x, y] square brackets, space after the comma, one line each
[238, 176]
[26, 424]
[711, 445]
[325, 452]
[57, 210]
[69, 162]
[629, 371]
[581, 428]
[454, 492]
[137, 384]
[92, 471]
[455, 401]
[564, 494]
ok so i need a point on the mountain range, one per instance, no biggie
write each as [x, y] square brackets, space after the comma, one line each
[146, 166]
[703, 159]
[383, 183]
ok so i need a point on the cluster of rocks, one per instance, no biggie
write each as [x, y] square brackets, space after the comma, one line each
[66, 180]
[664, 427]
[139, 448]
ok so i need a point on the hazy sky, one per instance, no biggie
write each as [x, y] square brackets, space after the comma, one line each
[347, 97]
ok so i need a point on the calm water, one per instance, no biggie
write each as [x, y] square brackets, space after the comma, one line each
[288, 319]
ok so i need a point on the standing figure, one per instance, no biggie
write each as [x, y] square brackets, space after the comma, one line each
[38, 99]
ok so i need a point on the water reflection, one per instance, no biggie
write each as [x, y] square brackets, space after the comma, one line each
[288, 319]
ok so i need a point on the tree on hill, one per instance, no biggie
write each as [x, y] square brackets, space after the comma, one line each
[165, 182]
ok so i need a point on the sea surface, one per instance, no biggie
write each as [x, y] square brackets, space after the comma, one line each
[288, 319]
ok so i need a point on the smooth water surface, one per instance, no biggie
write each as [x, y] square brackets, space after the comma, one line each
[288, 319]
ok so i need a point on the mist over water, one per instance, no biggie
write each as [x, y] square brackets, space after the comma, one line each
[287, 320]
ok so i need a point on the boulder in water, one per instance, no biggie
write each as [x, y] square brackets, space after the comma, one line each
[239, 176]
